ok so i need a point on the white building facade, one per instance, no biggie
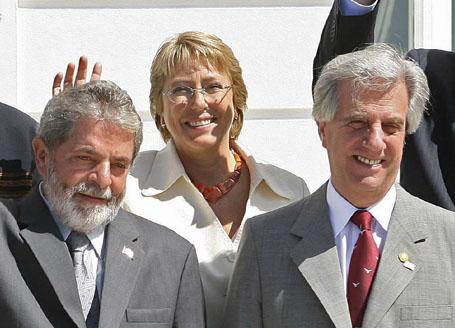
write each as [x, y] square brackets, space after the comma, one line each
[274, 40]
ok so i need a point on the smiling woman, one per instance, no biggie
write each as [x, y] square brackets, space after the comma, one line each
[203, 184]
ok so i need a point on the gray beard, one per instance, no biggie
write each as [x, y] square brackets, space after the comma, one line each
[77, 217]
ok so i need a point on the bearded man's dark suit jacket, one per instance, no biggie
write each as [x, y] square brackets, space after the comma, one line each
[428, 164]
[17, 165]
[158, 285]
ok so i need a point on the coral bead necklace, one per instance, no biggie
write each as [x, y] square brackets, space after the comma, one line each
[213, 193]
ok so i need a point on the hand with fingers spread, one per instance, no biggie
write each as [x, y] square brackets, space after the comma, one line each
[80, 76]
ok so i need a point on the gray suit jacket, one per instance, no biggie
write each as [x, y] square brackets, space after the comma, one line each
[288, 274]
[158, 287]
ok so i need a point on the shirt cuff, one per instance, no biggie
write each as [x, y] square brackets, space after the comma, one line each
[352, 8]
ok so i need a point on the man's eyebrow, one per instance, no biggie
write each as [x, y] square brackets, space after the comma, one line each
[396, 119]
[124, 159]
[355, 116]
[86, 149]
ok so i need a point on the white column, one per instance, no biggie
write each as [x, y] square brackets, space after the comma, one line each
[433, 24]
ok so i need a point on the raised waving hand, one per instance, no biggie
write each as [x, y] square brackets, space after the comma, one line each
[80, 78]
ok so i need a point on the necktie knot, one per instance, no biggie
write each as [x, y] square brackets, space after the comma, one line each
[77, 242]
[363, 219]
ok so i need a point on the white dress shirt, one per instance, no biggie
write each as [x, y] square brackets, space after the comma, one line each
[346, 232]
[158, 189]
[352, 8]
[94, 250]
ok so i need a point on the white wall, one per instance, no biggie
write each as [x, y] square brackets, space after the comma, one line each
[8, 52]
[274, 44]
[274, 40]
[433, 24]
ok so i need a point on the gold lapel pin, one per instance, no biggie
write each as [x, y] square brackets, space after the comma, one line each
[404, 258]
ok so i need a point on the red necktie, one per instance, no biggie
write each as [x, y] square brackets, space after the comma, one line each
[364, 261]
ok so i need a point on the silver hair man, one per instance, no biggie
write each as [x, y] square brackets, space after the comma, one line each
[87, 140]
[378, 67]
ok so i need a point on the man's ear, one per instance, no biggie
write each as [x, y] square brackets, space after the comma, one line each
[41, 156]
[322, 132]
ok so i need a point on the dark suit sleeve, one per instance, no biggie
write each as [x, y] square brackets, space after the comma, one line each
[427, 167]
[243, 306]
[190, 307]
[342, 34]
[17, 165]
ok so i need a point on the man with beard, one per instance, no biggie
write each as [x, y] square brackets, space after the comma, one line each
[70, 257]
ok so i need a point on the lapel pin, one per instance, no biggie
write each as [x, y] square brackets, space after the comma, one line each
[404, 258]
[128, 252]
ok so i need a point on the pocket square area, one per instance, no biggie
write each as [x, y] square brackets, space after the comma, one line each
[148, 315]
[435, 312]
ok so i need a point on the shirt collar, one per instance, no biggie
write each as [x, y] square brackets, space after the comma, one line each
[353, 8]
[166, 170]
[96, 237]
[340, 210]
[262, 173]
[163, 174]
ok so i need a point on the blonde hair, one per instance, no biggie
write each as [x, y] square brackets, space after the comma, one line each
[185, 49]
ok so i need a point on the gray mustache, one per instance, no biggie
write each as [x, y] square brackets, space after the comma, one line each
[93, 190]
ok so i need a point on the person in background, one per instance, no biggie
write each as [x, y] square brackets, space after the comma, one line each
[429, 154]
[17, 167]
[71, 257]
[360, 251]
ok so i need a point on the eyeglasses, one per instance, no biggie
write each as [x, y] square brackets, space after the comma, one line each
[183, 94]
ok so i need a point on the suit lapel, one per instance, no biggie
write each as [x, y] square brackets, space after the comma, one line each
[406, 233]
[122, 263]
[42, 236]
[317, 258]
